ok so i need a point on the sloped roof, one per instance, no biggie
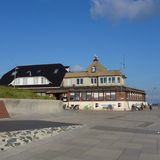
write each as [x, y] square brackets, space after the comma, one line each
[87, 74]
[53, 72]
[100, 71]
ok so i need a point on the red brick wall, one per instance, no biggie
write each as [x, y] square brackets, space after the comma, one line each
[3, 111]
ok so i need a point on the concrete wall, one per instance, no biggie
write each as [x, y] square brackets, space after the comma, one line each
[32, 106]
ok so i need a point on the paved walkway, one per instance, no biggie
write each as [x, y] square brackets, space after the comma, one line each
[103, 136]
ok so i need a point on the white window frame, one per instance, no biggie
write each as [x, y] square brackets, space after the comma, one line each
[79, 81]
[35, 80]
[93, 69]
[113, 79]
[25, 81]
[118, 80]
[93, 80]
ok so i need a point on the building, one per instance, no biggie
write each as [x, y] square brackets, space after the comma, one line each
[35, 76]
[95, 88]
[98, 88]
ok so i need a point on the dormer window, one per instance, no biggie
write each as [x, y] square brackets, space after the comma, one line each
[29, 73]
[56, 71]
[93, 69]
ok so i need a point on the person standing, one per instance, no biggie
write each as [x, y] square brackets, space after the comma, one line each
[150, 107]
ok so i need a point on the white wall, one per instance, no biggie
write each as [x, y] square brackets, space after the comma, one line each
[69, 82]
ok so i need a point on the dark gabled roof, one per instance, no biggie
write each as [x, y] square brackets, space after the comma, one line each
[53, 72]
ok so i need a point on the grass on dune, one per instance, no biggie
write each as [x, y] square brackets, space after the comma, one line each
[9, 92]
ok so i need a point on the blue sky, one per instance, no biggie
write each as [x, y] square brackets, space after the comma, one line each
[71, 32]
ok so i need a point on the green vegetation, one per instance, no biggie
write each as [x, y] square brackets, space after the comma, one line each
[9, 92]
[87, 107]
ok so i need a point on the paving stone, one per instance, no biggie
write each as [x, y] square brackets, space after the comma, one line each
[76, 152]
[104, 153]
[150, 148]
[66, 158]
[145, 156]
[128, 157]
[47, 154]
[125, 145]
[123, 141]
[130, 153]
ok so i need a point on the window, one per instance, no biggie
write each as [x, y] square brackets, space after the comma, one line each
[109, 80]
[93, 69]
[71, 96]
[80, 81]
[103, 80]
[84, 96]
[100, 96]
[35, 80]
[113, 95]
[29, 73]
[56, 71]
[89, 96]
[96, 96]
[110, 96]
[17, 81]
[113, 80]
[118, 80]
[43, 80]
[75, 96]
[93, 80]
[24, 81]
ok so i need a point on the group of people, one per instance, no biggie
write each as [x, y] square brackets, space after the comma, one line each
[141, 107]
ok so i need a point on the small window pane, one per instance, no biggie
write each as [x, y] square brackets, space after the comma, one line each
[84, 96]
[109, 80]
[108, 95]
[113, 95]
[93, 80]
[105, 80]
[24, 81]
[96, 96]
[35, 80]
[79, 80]
[101, 80]
[118, 80]
[113, 79]
[101, 96]
[89, 96]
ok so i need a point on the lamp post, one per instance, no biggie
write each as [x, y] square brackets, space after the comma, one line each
[15, 73]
